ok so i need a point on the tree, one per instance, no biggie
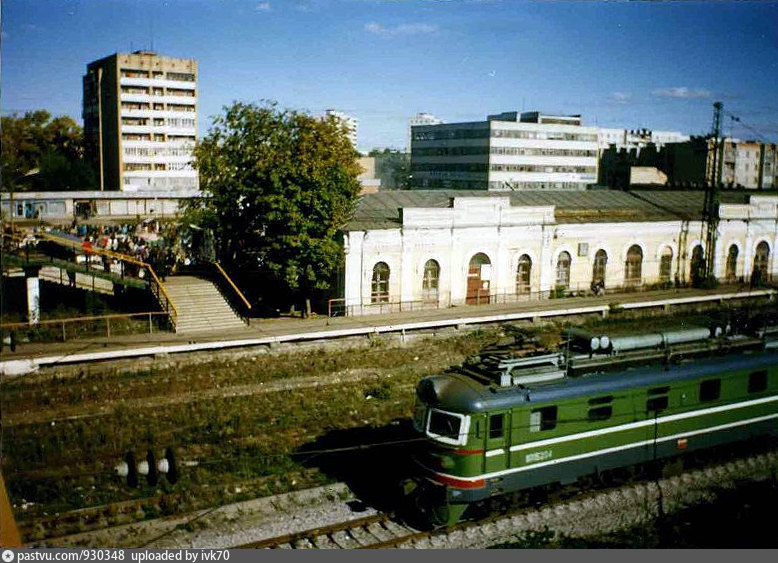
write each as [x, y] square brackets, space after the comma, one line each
[393, 168]
[39, 152]
[278, 185]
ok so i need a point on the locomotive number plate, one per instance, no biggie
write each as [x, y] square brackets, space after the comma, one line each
[538, 456]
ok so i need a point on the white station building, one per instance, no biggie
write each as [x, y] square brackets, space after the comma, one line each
[438, 248]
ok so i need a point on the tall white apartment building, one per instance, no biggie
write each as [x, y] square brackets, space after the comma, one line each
[508, 151]
[351, 123]
[421, 118]
[140, 121]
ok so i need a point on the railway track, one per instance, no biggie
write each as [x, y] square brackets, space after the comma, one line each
[375, 531]
[382, 531]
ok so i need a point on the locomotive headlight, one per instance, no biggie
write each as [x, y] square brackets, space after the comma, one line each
[446, 462]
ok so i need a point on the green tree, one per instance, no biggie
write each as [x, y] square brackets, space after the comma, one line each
[393, 168]
[43, 153]
[278, 185]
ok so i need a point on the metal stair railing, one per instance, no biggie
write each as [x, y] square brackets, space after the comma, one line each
[156, 286]
[237, 291]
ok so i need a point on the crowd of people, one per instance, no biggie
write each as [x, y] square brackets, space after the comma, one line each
[150, 241]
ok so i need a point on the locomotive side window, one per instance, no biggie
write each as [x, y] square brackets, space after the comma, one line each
[657, 404]
[599, 413]
[448, 427]
[657, 399]
[757, 381]
[496, 426]
[710, 390]
[542, 419]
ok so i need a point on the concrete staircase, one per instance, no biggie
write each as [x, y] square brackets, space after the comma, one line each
[200, 306]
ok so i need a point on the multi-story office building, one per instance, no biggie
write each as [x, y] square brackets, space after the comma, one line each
[508, 151]
[140, 121]
[421, 118]
[351, 123]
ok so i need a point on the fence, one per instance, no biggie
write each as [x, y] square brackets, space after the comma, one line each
[61, 330]
[338, 307]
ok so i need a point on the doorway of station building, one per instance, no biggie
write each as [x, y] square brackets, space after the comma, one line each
[479, 276]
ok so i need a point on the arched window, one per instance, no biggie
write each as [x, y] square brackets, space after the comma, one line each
[666, 264]
[731, 273]
[598, 270]
[380, 285]
[761, 257]
[563, 270]
[698, 265]
[523, 273]
[429, 284]
[633, 267]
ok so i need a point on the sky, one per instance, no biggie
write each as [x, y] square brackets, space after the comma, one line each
[655, 65]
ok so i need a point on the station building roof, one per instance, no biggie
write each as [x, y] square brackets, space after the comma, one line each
[381, 210]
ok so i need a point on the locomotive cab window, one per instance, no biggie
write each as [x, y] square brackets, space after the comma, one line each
[448, 427]
[757, 381]
[710, 390]
[542, 419]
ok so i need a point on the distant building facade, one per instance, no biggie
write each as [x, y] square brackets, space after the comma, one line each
[351, 124]
[508, 151]
[744, 164]
[421, 118]
[637, 139]
[64, 207]
[140, 121]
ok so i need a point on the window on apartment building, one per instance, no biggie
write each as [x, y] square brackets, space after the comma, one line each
[183, 76]
[523, 274]
[563, 270]
[431, 280]
[633, 267]
[666, 264]
[380, 283]
[731, 272]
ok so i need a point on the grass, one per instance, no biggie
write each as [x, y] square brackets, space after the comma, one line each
[68, 464]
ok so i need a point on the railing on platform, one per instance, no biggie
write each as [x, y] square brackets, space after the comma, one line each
[338, 307]
[97, 325]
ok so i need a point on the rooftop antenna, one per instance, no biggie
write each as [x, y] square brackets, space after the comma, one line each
[151, 30]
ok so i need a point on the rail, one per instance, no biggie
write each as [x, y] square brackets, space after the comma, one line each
[157, 288]
[238, 292]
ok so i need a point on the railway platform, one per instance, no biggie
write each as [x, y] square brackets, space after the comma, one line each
[30, 356]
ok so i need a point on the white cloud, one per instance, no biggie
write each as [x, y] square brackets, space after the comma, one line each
[682, 92]
[621, 98]
[402, 29]
[263, 7]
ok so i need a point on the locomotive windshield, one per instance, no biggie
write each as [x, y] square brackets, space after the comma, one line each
[448, 427]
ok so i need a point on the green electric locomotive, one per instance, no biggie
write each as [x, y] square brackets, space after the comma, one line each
[500, 424]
